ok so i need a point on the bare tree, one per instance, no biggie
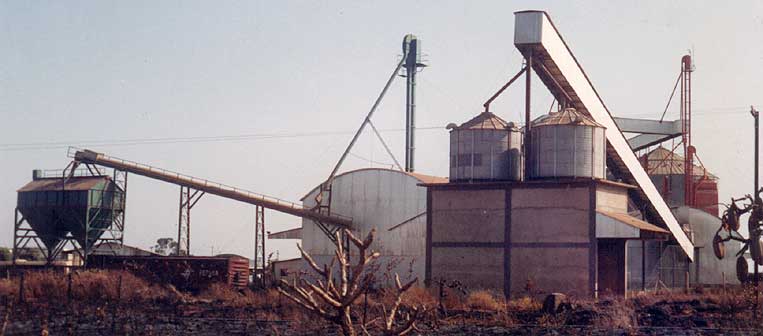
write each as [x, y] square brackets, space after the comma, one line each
[389, 327]
[326, 298]
[333, 301]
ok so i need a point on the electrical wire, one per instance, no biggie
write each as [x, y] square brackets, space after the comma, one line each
[171, 140]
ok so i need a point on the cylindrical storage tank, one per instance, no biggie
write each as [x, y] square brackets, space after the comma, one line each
[485, 148]
[567, 144]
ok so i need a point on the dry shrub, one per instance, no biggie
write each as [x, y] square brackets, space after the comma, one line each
[8, 287]
[525, 304]
[229, 295]
[615, 314]
[88, 285]
[45, 285]
[419, 296]
[453, 299]
[483, 300]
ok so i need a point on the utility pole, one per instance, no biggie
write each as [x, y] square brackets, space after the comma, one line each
[756, 202]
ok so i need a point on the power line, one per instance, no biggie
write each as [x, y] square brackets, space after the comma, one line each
[171, 140]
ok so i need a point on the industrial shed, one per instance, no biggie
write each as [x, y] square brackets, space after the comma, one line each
[392, 202]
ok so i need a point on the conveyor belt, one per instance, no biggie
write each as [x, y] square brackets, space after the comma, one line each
[559, 70]
[91, 157]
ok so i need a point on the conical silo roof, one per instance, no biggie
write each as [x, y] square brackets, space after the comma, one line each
[485, 120]
[568, 116]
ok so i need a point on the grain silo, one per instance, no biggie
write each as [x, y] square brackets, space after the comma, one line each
[567, 144]
[485, 148]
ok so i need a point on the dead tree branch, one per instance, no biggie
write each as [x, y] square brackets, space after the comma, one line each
[326, 298]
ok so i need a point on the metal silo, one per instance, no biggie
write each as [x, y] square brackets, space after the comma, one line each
[567, 144]
[485, 148]
[79, 208]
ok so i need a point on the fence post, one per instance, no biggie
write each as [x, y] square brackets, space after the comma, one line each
[69, 287]
[119, 288]
[21, 287]
[687, 282]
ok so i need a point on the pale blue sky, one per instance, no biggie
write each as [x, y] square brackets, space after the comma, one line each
[76, 72]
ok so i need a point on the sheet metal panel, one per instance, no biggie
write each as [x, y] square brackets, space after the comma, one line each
[535, 33]
[381, 199]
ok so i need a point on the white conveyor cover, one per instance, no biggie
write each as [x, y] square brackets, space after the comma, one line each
[556, 66]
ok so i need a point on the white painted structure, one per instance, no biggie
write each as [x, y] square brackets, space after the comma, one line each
[537, 37]
[390, 201]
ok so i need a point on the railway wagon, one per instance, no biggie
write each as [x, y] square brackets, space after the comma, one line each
[186, 273]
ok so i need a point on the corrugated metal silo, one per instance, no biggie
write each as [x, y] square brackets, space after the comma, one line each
[485, 148]
[567, 144]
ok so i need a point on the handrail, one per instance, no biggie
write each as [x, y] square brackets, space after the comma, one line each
[223, 190]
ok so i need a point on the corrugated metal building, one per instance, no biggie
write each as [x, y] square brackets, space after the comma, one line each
[390, 201]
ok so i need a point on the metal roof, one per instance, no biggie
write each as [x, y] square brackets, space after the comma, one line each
[426, 179]
[662, 161]
[485, 120]
[295, 233]
[633, 221]
[74, 183]
[568, 116]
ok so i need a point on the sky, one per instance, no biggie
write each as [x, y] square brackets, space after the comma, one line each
[265, 96]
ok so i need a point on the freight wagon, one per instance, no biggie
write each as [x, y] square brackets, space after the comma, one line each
[186, 273]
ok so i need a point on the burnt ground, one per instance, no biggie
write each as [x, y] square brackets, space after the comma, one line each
[653, 315]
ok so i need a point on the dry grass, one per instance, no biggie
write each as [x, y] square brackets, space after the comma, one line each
[483, 300]
[419, 296]
[91, 285]
[719, 307]
[525, 304]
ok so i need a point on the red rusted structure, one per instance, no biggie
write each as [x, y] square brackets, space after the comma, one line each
[686, 70]
[186, 273]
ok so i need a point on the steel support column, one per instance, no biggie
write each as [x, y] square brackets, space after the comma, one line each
[527, 145]
[188, 198]
[259, 243]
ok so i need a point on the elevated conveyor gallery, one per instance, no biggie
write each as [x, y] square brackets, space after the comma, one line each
[552, 60]
[91, 157]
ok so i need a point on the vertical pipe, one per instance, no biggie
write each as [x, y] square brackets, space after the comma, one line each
[411, 54]
[528, 76]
